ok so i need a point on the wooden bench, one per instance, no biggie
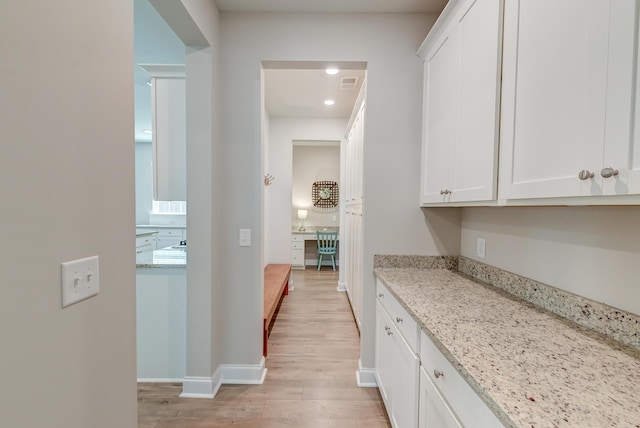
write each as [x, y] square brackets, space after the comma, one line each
[276, 286]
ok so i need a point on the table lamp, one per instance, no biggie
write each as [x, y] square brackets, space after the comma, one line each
[302, 214]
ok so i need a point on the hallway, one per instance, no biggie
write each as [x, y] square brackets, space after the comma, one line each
[313, 357]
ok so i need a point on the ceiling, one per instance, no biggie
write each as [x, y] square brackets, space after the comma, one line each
[333, 6]
[291, 90]
[302, 92]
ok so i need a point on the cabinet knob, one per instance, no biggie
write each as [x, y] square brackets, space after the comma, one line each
[380, 295]
[608, 172]
[445, 192]
[585, 174]
[389, 333]
[398, 320]
[387, 328]
[437, 373]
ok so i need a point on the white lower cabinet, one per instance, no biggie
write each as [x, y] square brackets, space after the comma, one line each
[419, 386]
[397, 363]
[433, 410]
[446, 399]
[169, 237]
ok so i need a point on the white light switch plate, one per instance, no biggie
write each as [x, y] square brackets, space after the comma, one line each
[245, 237]
[80, 280]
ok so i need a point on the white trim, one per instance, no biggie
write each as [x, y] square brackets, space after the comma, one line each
[365, 378]
[164, 70]
[243, 373]
[158, 380]
[198, 387]
[342, 286]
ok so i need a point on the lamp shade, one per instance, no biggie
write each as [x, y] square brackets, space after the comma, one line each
[302, 214]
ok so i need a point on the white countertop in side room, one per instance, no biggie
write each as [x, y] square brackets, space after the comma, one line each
[169, 257]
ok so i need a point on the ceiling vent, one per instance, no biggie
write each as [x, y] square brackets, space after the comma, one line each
[348, 82]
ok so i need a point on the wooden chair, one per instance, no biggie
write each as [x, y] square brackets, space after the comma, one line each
[327, 246]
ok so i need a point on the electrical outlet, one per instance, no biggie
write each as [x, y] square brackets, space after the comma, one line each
[80, 280]
[480, 248]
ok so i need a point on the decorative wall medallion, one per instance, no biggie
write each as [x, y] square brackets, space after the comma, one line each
[324, 194]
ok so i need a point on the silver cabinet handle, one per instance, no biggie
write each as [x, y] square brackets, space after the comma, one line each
[398, 319]
[389, 333]
[437, 373]
[380, 295]
[608, 172]
[445, 192]
[585, 174]
[387, 328]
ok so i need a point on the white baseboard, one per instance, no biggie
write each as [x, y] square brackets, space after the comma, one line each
[366, 377]
[243, 373]
[342, 286]
[159, 380]
[200, 387]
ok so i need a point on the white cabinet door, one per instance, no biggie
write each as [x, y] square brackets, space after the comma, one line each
[439, 126]
[434, 411]
[461, 104]
[567, 89]
[475, 158]
[384, 354]
[169, 139]
[406, 367]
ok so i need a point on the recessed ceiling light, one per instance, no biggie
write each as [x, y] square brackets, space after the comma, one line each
[146, 131]
[329, 102]
[332, 71]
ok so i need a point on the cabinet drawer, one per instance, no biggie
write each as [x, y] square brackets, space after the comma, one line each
[170, 233]
[399, 315]
[297, 238]
[462, 399]
[297, 245]
[297, 258]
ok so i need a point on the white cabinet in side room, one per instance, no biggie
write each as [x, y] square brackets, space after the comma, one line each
[396, 357]
[297, 251]
[167, 237]
[145, 243]
[169, 131]
[570, 84]
[462, 55]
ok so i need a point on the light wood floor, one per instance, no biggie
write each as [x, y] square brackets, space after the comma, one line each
[313, 357]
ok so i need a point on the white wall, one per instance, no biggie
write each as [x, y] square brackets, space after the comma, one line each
[590, 251]
[311, 164]
[67, 186]
[282, 133]
[392, 223]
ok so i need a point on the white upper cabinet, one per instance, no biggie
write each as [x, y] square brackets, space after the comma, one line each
[169, 131]
[570, 99]
[462, 55]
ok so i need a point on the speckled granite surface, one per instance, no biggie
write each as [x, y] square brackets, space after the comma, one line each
[612, 322]
[533, 368]
[418, 262]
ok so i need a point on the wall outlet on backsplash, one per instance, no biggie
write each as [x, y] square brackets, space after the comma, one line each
[480, 247]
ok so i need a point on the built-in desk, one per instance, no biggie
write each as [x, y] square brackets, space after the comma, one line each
[298, 242]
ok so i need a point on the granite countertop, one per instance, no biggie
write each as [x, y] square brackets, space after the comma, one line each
[532, 368]
[164, 258]
[312, 229]
[159, 226]
[143, 232]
